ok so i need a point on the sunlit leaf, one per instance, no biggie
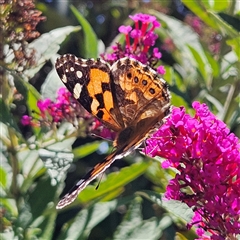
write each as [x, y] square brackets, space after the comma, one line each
[90, 38]
[3, 177]
[200, 11]
[183, 37]
[48, 45]
[113, 181]
[86, 149]
[235, 44]
[223, 26]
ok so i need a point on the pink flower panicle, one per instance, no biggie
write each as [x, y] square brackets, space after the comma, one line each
[207, 157]
[51, 112]
[65, 109]
[139, 42]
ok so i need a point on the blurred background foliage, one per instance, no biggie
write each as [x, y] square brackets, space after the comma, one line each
[199, 41]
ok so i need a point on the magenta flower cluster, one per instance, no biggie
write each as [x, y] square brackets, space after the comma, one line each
[139, 42]
[65, 108]
[207, 158]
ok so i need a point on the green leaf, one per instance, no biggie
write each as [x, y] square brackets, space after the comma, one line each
[201, 64]
[90, 38]
[33, 97]
[86, 149]
[51, 85]
[214, 5]
[201, 12]
[32, 167]
[38, 203]
[235, 44]
[31, 100]
[228, 62]
[114, 180]
[47, 45]
[213, 63]
[7, 235]
[230, 20]
[179, 101]
[134, 227]
[183, 37]
[88, 218]
[177, 208]
[48, 225]
[131, 220]
[6, 116]
[223, 26]
[3, 178]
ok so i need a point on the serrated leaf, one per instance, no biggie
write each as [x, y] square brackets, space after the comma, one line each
[90, 38]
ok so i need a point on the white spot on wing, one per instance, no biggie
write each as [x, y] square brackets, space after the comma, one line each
[79, 74]
[72, 69]
[162, 80]
[64, 78]
[77, 63]
[77, 90]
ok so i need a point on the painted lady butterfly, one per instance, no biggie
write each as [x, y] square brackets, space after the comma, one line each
[127, 97]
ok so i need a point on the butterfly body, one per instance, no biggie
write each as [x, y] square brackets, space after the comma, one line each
[127, 97]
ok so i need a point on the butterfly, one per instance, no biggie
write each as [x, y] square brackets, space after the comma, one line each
[127, 97]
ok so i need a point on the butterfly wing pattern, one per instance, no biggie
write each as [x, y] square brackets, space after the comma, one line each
[127, 97]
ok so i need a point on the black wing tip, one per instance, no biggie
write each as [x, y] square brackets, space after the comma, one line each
[66, 200]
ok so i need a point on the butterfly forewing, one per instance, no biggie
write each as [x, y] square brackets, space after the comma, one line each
[90, 83]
